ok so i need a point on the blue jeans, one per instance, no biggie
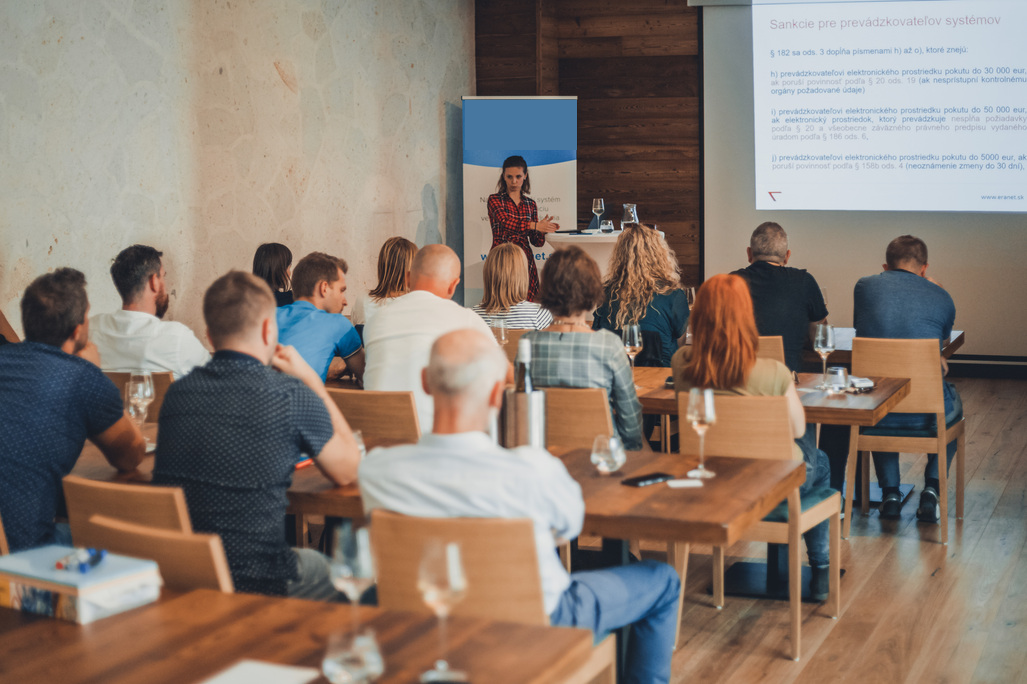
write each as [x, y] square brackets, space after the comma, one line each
[818, 474]
[643, 595]
[886, 463]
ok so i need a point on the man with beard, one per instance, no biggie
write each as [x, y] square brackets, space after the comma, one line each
[135, 338]
[52, 398]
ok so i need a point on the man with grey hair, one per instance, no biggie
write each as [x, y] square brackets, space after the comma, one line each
[786, 300]
[456, 471]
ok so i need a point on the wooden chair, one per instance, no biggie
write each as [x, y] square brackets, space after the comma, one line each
[380, 416]
[149, 505]
[4, 548]
[7, 330]
[574, 416]
[186, 560]
[920, 361]
[758, 427]
[161, 381]
[500, 563]
[771, 347]
[513, 336]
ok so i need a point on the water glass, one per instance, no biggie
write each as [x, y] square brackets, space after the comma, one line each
[606, 226]
[608, 455]
[837, 379]
[352, 658]
[498, 324]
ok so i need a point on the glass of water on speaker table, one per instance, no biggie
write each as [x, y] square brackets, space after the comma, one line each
[598, 207]
[823, 344]
[701, 414]
[441, 581]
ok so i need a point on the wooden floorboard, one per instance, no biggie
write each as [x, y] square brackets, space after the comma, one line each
[913, 610]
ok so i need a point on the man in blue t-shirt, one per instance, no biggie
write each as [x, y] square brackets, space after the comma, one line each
[53, 397]
[903, 302]
[314, 323]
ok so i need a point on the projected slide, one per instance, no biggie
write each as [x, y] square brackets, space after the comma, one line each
[897, 106]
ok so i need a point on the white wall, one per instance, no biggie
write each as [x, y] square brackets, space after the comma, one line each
[204, 128]
[979, 258]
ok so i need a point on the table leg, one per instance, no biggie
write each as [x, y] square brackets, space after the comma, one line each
[678, 552]
[665, 433]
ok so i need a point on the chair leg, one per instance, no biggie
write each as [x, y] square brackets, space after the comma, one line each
[960, 473]
[864, 505]
[834, 596]
[301, 530]
[564, 549]
[794, 571]
[678, 552]
[850, 478]
[718, 577]
[943, 485]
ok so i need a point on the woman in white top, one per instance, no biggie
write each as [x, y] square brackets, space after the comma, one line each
[505, 277]
[394, 261]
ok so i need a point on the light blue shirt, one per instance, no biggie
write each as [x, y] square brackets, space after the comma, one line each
[317, 335]
[467, 476]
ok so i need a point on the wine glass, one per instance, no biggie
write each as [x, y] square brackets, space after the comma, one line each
[632, 337]
[441, 581]
[351, 567]
[823, 344]
[139, 395]
[498, 323]
[702, 415]
[598, 207]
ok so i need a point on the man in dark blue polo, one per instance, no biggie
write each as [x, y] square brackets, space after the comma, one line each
[232, 431]
[53, 397]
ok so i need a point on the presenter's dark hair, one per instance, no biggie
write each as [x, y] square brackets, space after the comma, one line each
[571, 282]
[514, 162]
[906, 248]
[53, 305]
[132, 268]
[271, 263]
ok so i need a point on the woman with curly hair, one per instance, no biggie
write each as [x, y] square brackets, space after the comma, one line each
[505, 276]
[643, 287]
[394, 261]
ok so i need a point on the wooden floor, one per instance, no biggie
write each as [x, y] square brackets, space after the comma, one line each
[912, 609]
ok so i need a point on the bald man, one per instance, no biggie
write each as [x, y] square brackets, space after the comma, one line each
[465, 377]
[397, 341]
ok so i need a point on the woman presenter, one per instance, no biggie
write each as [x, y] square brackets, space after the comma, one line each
[514, 216]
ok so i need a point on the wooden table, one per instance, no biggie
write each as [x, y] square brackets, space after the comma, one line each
[850, 409]
[842, 354]
[192, 637]
[657, 399]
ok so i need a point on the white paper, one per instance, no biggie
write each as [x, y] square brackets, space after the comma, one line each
[258, 672]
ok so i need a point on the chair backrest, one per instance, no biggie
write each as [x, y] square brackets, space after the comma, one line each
[161, 381]
[498, 556]
[7, 330]
[574, 416]
[149, 505]
[753, 427]
[918, 360]
[513, 336]
[380, 416]
[186, 560]
[771, 347]
[4, 548]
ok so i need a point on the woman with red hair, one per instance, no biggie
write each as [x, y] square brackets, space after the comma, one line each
[723, 357]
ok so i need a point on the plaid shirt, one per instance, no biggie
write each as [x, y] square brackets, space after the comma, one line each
[590, 360]
[509, 223]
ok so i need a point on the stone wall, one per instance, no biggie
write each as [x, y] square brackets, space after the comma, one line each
[204, 128]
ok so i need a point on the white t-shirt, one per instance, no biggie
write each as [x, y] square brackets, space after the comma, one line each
[466, 475]
[398, 340]
[135, 341]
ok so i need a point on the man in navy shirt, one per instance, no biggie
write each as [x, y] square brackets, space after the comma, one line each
[232, 431]
[902, 302]
[53, 397]
[314, 323]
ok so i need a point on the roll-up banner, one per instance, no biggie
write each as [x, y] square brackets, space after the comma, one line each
[543, 130]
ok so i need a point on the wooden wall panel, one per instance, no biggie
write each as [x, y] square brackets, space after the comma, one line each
[635, 69]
